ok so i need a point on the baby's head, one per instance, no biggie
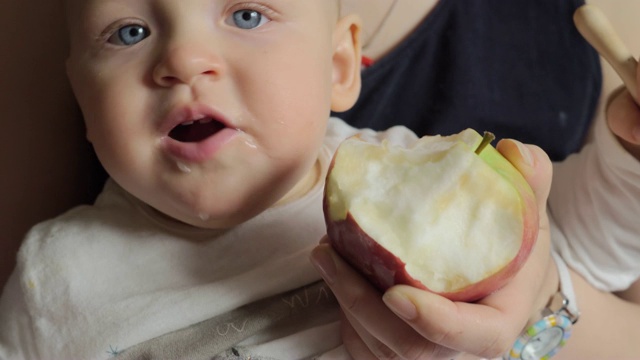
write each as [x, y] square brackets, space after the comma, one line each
[210, 109]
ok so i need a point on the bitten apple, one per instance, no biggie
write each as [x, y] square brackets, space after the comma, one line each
[450, 214]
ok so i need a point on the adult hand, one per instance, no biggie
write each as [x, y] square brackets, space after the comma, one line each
[623, 117]
[408, 323]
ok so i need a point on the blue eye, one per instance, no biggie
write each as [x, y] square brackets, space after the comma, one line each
[249, 19]
[129, 35]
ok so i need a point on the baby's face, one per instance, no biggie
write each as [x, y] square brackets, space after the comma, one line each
[204, 109]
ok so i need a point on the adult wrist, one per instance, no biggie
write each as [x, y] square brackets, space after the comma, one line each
[548, 335]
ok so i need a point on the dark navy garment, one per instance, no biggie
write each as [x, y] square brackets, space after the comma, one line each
[517, 68]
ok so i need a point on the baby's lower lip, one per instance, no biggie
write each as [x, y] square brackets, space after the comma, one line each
[200, 147]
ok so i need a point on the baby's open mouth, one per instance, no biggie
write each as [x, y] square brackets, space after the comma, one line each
[196, 130]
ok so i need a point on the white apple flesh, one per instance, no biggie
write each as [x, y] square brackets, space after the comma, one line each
[437, 216]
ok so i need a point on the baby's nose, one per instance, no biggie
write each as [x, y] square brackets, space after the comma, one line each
[183, 64]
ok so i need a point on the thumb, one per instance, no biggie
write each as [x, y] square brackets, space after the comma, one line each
[623, 117]
[533, 163]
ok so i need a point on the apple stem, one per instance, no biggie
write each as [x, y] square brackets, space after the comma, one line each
[486, 140]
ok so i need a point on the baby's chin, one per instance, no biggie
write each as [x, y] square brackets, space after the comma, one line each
[223, 195]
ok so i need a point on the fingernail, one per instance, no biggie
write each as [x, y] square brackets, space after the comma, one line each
[400, 305]
[323, 261]
[525, 153]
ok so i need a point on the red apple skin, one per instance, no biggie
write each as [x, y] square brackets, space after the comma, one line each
[378, 265]
[384, 270]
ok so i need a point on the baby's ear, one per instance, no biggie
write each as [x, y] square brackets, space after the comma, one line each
[346, 63]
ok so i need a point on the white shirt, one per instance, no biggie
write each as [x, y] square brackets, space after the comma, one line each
[595, 212]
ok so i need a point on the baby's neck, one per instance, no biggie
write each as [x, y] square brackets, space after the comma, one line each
[310, 180]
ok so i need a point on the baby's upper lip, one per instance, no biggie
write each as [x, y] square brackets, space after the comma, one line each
[184, 115]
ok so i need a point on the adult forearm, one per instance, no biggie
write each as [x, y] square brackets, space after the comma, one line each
[608, 327]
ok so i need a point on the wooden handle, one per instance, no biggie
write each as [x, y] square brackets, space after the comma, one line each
[598, 31]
